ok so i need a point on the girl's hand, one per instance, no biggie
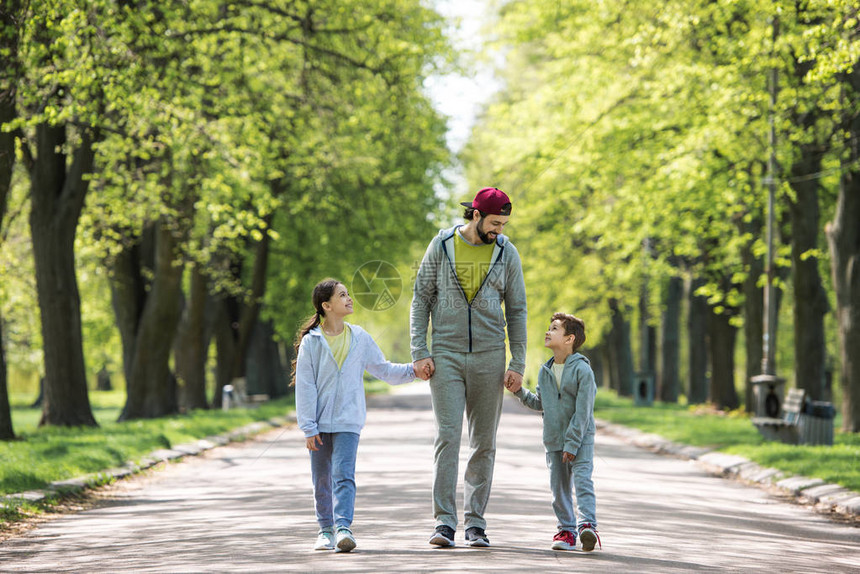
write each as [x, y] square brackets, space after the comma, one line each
[312, 441]
[567, 457]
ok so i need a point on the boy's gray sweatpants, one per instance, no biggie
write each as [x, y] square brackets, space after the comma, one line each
[565, 477]
[470, 382]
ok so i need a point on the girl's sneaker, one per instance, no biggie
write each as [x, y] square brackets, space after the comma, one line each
[564, 540]
[344, 539]
[588, 536]
[325, 540]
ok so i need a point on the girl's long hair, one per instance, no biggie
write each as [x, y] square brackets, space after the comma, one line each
[323, 292]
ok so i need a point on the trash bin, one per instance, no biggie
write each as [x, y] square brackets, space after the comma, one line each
[768, 393]
[228, 395]
[643, 389]
[816, 423]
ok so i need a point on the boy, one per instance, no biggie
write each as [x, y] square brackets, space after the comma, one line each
[565, 395]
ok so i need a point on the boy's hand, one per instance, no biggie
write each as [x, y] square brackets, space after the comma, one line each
[513, 381]
[567, 457]
[312, 441]
[424, 368]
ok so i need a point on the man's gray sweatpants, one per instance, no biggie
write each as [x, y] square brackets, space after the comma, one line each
[470, 382]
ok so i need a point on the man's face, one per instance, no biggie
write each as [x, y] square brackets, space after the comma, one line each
[491, 226]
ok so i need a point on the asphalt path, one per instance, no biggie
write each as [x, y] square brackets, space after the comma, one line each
[248, 507]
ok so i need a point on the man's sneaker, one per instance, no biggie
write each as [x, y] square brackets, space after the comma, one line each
[443, 536]
[344, 539]
[476, 537]
[325, 540]
[564, 540]
[588, 536]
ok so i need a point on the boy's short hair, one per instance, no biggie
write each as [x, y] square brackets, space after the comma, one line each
[572, 326]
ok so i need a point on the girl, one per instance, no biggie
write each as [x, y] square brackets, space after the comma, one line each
[331, 357]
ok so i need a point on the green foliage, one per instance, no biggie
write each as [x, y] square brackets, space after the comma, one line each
[306, 122]
[634, 142]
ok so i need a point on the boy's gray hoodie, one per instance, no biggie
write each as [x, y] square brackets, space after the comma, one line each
[458, 325]
[568, 409]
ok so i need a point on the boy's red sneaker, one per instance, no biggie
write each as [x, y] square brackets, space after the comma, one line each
[588, 536]
[564, 540]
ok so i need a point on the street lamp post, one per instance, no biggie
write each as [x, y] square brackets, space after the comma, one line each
[768, 388]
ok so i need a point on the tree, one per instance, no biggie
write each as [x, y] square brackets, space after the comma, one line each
[843, 235]
[9, 31]
[838, 61]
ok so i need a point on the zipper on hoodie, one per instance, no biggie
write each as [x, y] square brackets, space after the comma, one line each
[558, 383]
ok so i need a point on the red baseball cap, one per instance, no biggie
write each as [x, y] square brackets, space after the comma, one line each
[492, 201]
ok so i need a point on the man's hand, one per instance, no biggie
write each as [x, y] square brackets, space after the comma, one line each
[513, 381]
[424, 368]
[567, 457]
[312, 441]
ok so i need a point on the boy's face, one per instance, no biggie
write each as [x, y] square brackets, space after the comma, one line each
[555, 338]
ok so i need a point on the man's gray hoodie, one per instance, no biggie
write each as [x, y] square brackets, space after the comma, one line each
[458, 325]
[568, 409]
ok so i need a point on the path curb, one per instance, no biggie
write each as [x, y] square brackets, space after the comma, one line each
[826, 498]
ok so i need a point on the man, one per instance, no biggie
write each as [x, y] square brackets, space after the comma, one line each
[467, 274]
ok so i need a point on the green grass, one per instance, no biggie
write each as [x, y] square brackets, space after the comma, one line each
[733, 433]
[48, 454]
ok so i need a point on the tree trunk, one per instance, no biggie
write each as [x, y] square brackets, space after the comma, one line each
[647, 336]
[621, 354]
[722, 335]
[810, 299]
[9, 45]
[192, 344]
[611, 366]
[671, 334]
[753, 311]
[595, 356]
[152, 386]
[128, 295]
[225, 344]
[57, 198]
[698, 355]
[250, 311]
[6, 430]
[266, 374]
[843, 237]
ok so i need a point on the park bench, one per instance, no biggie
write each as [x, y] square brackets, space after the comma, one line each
[802, 421]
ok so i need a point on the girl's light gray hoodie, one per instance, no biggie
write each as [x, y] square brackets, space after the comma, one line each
[568, 409]
[331, 399]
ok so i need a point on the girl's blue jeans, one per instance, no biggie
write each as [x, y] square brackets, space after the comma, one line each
[333, 473]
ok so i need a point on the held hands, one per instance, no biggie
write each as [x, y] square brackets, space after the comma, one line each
[424, 368]
[513, 381]
[312, 441]
[567, 457]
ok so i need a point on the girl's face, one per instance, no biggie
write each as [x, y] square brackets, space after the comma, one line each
[340, 304]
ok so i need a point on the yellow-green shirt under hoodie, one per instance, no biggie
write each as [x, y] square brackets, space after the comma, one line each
[472, 263]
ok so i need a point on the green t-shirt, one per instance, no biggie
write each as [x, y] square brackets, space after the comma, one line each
[471, 263]
[339, 344]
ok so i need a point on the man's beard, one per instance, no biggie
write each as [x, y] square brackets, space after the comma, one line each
[484, 236]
